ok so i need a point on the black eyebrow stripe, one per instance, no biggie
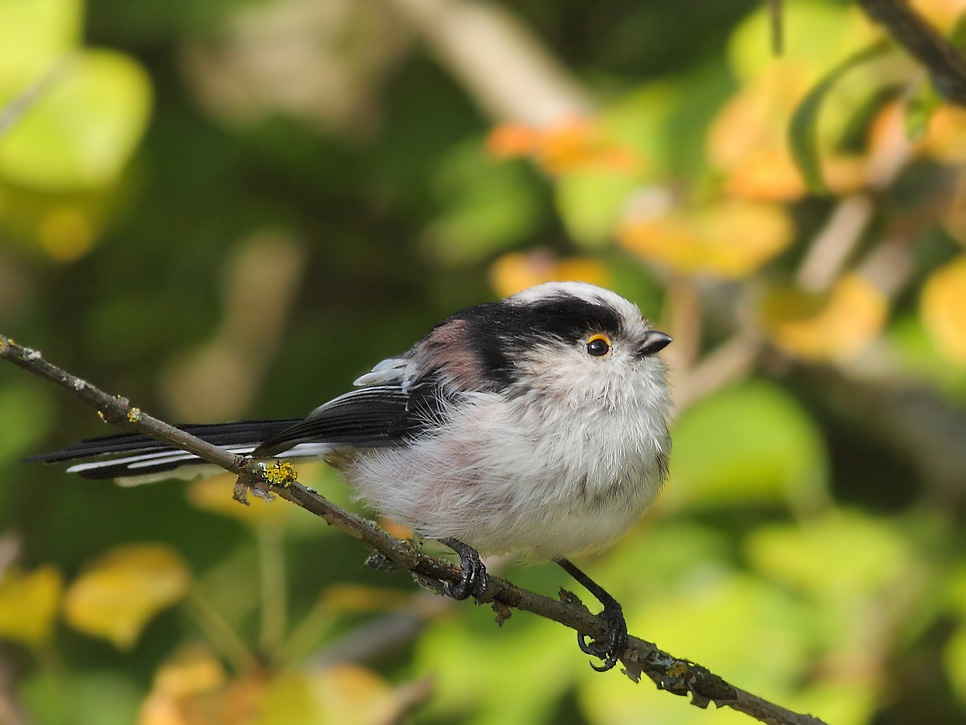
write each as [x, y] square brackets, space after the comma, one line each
[498, 332]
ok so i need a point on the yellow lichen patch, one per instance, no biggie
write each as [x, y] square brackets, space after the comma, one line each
[837, 325]
[134, 415]
[677, 670]
[730, 239]
[943, 309]
[517, 271]
[280, 473]
[215, 495]
[29, 603]
[119, 593]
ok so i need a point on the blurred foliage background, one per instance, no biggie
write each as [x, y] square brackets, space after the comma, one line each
[231, 209]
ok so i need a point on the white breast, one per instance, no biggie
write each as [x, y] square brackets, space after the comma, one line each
[548, 474]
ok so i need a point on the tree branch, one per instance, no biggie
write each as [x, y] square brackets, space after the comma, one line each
[676, 675]
[943, 61]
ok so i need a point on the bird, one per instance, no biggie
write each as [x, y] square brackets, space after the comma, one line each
[536, 425]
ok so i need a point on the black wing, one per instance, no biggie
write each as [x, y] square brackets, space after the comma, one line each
[373, 416]
[227, 435]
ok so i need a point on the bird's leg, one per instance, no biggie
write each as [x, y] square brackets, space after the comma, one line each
[473, 573]
[611, 649]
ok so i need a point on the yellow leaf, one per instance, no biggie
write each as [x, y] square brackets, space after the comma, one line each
[748, 139]
[945, 137]
[730, 239]
[215, 494]
[942, 14]
[66, 233]
[29, 603]
[755, 119]
[345, 694]
[516, 271]
[359, 598]
[182, 691]
[209, 702]
[192, 670]
[943, 307]
[117, 595]
[834, 326]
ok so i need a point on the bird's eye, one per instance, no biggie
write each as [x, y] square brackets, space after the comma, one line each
[598, 345]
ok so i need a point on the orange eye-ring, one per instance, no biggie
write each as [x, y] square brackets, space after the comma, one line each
[598, 345]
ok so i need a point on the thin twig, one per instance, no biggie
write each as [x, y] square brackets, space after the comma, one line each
[670, 673]
[942, 59]
[776, 16]
[30, 96]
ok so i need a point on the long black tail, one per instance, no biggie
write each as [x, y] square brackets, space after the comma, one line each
[133, 458]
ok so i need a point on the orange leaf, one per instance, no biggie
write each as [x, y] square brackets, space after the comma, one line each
[567, 145]
[512, 140]
[516, 271]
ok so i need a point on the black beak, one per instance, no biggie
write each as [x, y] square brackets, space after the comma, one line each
[654, 342]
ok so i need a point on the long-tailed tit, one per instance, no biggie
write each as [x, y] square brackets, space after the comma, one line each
[534, 425]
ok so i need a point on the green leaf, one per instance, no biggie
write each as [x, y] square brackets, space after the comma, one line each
[841, 556]
[751, 632]
[839, 27]
[920, 109]
[471, 660]
[590, 202]
[954, 659]
[916, 352]
[954, 656]
[803, 129]
[56, 696]
[749, 443]
[82, 131]
[25, 417]
[488, 206]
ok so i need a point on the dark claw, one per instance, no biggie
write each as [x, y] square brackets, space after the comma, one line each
[612, 647]
[472, 572]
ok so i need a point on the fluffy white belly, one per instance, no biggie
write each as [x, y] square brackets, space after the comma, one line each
[506, 476]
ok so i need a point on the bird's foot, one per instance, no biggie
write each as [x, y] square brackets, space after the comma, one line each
[612, 647]
[472, 572]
